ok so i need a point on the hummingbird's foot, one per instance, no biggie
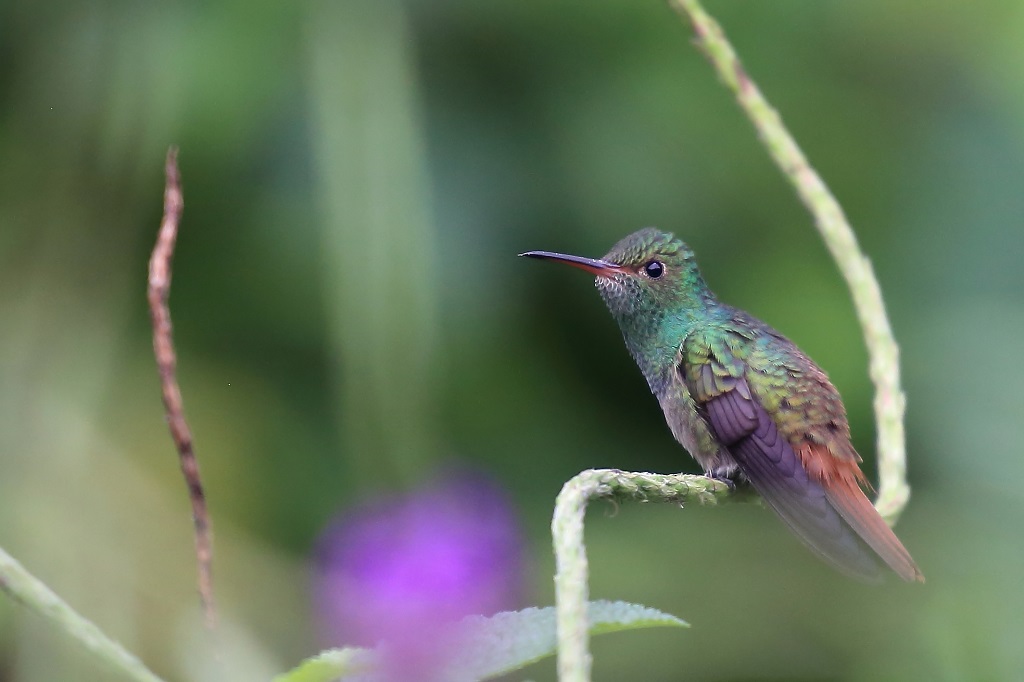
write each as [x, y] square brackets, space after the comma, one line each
[724, 475]
[730, 475]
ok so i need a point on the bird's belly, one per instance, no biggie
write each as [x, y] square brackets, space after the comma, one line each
[692, 432]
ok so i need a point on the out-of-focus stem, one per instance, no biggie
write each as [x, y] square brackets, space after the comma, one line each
[32, 593]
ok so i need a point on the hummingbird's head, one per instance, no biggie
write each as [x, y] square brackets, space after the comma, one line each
[655, 274]
[652, 286]
[646, 276]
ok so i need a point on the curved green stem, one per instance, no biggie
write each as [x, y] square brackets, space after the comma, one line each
[28, 590]
[841, 242]
[571, 591]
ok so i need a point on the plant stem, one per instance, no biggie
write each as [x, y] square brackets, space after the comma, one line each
[571, 590]
[841, 242]
[28, 590]
[158, 292]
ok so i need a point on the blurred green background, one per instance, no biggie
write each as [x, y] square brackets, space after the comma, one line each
[350, 313]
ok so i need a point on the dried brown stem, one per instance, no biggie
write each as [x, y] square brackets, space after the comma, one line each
[166, 360]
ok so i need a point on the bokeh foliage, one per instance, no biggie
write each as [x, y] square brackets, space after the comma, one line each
[349, 311]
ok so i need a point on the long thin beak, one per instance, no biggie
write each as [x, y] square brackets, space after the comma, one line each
[600, 268]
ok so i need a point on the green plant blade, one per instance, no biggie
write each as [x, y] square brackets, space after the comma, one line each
[492, 645]
[329, 665]
[514, 639]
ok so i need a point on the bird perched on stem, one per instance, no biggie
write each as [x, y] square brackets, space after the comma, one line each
[744, 401]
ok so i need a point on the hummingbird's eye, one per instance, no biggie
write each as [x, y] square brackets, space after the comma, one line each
[654, 269]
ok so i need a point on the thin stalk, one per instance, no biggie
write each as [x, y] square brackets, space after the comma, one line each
[26, 589]
[571, 574]
[839, 237]
[571, 589]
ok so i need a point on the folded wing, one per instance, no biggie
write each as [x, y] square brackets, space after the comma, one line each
[817, 494]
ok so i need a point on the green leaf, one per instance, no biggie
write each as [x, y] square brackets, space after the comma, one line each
[490, 646]
[329, 665]
[612, 616]
[513, 639]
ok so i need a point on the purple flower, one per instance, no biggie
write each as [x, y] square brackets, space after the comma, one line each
[403, 570]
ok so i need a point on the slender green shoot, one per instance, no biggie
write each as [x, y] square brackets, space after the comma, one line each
[26, 589]
[571, 590]
[839, 237]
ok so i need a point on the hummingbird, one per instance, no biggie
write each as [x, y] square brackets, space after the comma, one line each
[744, 401]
